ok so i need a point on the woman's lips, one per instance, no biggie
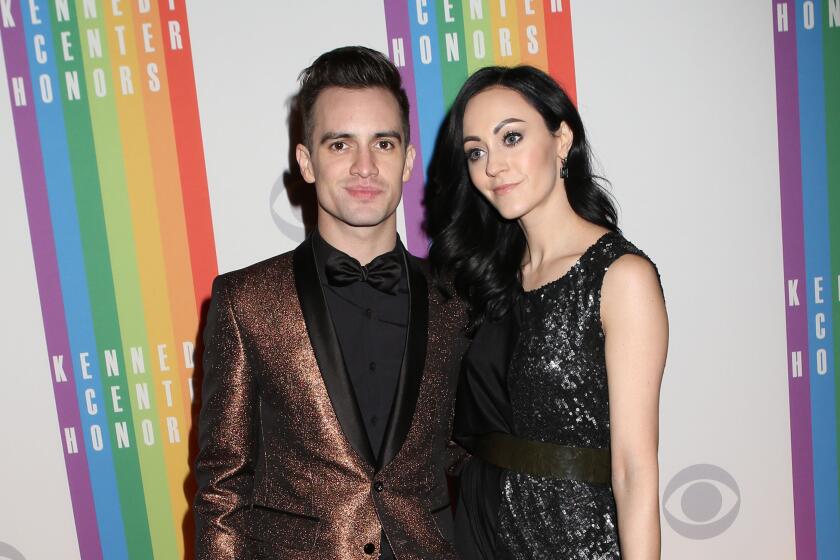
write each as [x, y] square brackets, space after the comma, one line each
[503, 189]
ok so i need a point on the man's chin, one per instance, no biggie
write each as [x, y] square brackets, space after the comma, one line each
[366, 219]
[358, 222]
[356, 216]
[365, 223]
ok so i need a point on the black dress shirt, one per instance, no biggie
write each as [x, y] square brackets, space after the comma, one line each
[371, 327]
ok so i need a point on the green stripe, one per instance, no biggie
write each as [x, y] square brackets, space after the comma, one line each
[97, 264]
[453, 72]
[831, 65]
[471, 26]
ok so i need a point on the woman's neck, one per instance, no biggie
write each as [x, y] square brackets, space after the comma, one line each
[552, 230]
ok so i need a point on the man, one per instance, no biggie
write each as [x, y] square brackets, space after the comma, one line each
[330, 370]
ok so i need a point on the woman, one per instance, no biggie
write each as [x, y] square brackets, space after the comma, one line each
[558, 398]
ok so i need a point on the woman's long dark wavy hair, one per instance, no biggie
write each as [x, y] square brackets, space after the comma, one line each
[471, 243]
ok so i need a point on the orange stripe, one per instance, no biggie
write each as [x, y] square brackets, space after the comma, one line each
[561, 54]
[167, 182]
[533, 38]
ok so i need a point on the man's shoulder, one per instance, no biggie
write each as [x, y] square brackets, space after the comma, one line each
[420, 263]
[437, 281]
[258, 273]
[423, 266]
[441, 288]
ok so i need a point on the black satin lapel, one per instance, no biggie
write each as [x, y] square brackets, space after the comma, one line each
[328, 351]
[414, 361]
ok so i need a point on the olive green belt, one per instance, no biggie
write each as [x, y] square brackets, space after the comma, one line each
[544, 459]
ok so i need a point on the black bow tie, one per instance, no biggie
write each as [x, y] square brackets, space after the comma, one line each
[382, 273]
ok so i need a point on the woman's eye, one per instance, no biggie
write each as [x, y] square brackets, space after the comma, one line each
[474, 154]
[512, 138]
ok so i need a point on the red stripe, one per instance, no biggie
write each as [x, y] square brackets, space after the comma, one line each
[561, 53]
[187, 126]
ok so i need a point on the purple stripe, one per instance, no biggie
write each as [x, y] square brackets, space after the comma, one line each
[790, 179]
[396, 20]
[49, 289]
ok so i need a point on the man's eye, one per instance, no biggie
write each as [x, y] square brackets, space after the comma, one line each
[338, 146]
[512, 138]
[474, 154]
[385, 144]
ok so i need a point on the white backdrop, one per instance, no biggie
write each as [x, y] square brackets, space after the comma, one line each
[679, 101]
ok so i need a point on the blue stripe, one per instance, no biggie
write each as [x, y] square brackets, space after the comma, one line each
[68, 244]
[427, 76]
[818, 265]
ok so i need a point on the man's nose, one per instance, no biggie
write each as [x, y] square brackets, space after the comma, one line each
[364, 165]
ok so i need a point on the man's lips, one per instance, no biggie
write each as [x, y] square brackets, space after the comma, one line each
[363, 192]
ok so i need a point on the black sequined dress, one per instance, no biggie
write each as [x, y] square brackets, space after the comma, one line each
[540, 374]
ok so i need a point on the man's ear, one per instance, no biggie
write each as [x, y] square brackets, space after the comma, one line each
[564, 136]
[305, 163]
[410, 154]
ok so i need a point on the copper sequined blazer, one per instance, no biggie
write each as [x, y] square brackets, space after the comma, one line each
[284, 467]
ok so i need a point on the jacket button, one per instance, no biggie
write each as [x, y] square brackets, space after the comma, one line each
[370, 548]
[378, 486]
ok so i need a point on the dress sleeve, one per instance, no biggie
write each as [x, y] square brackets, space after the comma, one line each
[482, 404]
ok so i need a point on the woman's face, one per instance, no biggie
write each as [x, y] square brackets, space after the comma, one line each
[512, 157]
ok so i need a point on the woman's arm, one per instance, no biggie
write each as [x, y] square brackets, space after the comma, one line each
[636, 328]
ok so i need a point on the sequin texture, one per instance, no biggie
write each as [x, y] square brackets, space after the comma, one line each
[277, 477]
[558, 389]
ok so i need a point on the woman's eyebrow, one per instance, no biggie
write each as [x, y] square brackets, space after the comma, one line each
[504, 122]
[497, 128]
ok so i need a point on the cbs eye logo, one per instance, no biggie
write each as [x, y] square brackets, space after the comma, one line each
[701, 501]
[9, 552]
[280, 207]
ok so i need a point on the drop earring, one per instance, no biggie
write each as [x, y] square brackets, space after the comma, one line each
[564, 168]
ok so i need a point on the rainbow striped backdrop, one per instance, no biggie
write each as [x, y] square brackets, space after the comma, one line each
[807, 51]
[106, 120]
[105, 113]
[438, 43]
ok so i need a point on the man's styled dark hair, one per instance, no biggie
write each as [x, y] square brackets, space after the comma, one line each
[352, 68]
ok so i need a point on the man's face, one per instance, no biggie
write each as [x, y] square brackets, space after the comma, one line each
[358, 159]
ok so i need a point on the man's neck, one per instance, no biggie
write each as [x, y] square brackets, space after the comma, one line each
[362, 243]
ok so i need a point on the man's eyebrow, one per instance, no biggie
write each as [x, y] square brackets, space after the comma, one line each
[388, 134]
[329, 135]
